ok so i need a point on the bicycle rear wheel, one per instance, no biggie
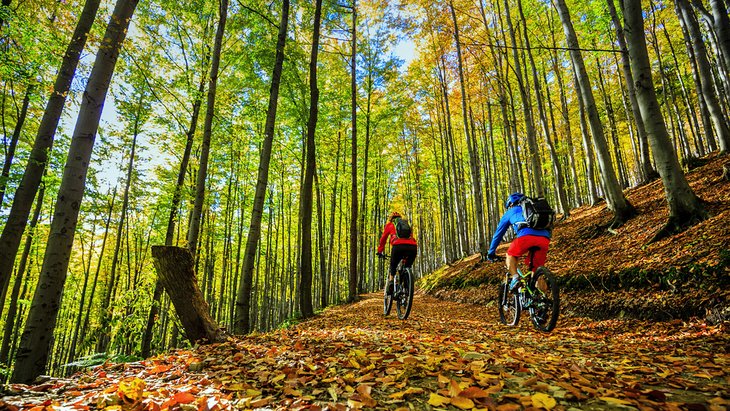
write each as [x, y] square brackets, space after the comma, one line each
[405, 295]
[387, 299]
[545, 307]
[509, 305]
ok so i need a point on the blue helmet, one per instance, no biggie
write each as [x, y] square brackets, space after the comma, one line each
[513, 199]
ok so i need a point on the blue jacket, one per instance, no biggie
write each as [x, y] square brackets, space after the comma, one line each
[512, 217]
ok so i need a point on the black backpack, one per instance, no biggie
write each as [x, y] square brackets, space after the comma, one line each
[538, 213]
[402, 228]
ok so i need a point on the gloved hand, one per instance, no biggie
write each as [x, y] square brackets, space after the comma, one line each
[492, 257]
[379, 254]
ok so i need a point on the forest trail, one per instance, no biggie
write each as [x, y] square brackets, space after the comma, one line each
[447, 355]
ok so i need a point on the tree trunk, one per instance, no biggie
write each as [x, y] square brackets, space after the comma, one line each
[533, 151]
[243, 297]
[559, 179]
[471, 144]
[106, 308]
[617, 202]
[5, 174]
[722, 29]
[194, 227]
[175, 269]
[705, 74]
[19, 280]
[23, 199]
[305, 287]
[645, 170]
[36, 341]
[353, 279]
[684, 206]
[174, 208]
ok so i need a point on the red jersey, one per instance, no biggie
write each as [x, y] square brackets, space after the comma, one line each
[389, 231]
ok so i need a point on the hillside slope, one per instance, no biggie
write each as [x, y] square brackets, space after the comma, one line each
[607, 274]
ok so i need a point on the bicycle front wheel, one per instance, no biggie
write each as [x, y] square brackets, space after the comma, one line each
[509, 305]
[405, 296]
[545, 306]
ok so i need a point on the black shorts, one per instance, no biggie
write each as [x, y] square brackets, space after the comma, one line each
[401, 251]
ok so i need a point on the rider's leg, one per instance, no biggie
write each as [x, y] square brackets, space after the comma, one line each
[396, 254]
[512, 268]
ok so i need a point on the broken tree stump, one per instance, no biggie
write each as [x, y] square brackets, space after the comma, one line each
[176, 270]
[726, 172]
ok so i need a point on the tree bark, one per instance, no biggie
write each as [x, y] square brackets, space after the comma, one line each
[353, 278]
[645, 169]
[533, 151]
[36, 341]
[705, 74]
[684, 206]
[106, 314]
[23, 199]
[305, 269]
[243, 297]
[617, 202]
[471, 144]
[5, 174]
[722, 29]
[175, 269]
[19, 280]
[194, 228]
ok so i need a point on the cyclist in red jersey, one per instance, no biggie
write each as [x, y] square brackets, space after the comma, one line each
[402, 244]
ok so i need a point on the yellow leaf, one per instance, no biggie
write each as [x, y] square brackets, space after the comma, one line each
[437, 400]
[543, 400]
[401, 394]
[132, 389]
[278, 378]
[354, 363]
[333, 392]
[462, 402]
[252, 393]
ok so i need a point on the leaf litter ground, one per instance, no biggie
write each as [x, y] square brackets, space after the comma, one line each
[446, 356]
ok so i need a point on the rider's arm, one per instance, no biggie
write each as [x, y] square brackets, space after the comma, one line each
[502, 228]
[384, 237]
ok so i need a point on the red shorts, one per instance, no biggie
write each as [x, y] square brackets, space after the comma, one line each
[521, 245]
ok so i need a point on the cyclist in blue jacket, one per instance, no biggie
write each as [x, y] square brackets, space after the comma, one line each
[526, 238]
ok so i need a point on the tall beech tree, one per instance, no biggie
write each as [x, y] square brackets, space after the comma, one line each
[35, 343]
[353, 278]
[684, 206]
[194, 227]
[471, 145]
[704, 71]
[241, 323]
[25, 193]
[305, 264]
[645, 168]
[10, 153]
[617, 202]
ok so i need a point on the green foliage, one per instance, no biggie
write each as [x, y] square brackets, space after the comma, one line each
[97, 359]
[295, 319]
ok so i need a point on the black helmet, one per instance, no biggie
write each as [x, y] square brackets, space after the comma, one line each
[513, 199]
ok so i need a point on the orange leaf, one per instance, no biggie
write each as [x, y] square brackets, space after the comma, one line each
[474, 392]
[160, 369]
[184, 397]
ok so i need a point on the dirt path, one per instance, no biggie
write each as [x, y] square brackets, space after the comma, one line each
[445, 356]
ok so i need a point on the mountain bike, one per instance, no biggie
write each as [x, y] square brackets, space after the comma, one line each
[402, 290]
[537, 291]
